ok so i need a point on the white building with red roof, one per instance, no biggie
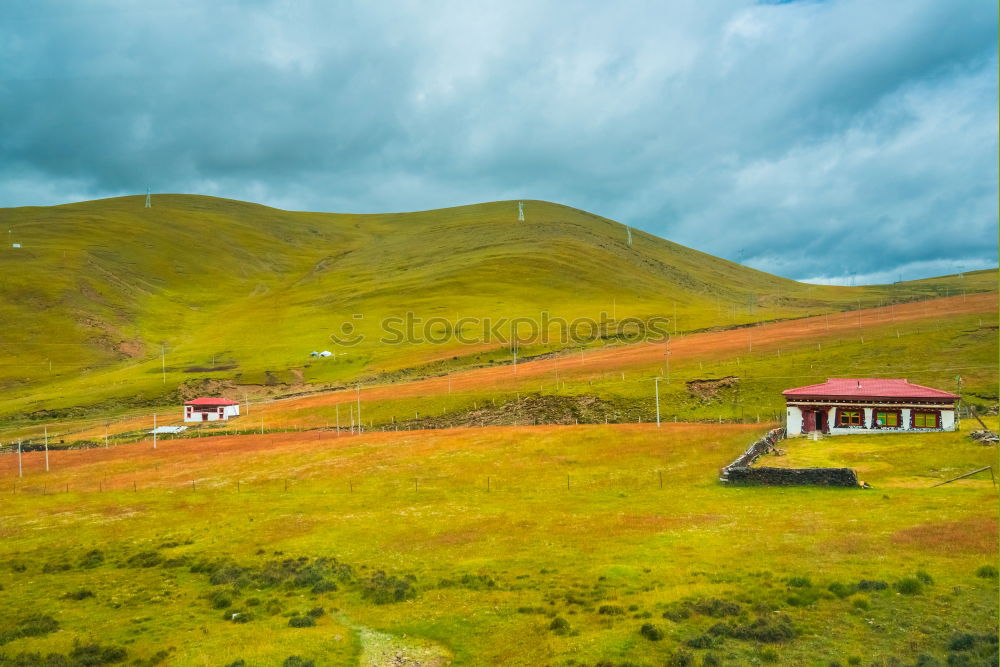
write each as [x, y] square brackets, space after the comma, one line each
[868, 405]
[210, 409]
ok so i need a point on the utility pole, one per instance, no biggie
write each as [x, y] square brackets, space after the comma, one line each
[46, 448]
[656, 384]
[154, 430]
[20, 468]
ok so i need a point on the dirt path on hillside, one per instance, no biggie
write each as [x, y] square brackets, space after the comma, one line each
[715, 344]
[576, 366]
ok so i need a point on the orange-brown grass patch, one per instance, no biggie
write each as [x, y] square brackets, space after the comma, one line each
[975, 534]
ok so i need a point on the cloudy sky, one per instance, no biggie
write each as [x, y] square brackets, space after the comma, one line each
[816, 140]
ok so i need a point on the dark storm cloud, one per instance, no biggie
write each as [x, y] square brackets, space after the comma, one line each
[814, 139]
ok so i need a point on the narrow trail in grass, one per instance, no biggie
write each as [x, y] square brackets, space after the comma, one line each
[715, 344]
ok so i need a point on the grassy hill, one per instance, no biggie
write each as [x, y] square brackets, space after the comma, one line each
[108, 304]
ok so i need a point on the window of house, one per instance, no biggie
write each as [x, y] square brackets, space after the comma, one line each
[850, 418]
[925, 420]
[890, 419]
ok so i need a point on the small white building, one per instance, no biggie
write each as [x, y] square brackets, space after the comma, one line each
[210, 409]
[841, 406]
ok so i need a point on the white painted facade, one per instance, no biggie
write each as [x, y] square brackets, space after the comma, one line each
[795, 421]
[210, 413]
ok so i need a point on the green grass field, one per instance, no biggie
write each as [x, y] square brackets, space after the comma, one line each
[487, 536]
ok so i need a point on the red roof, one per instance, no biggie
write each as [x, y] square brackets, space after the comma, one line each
[869, 388]
[211, 401]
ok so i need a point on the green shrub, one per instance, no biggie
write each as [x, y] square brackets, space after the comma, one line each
[861, 603]
[238, 616]
[301, 621]
[91, 559]
[387, 589]
[909, 586]
[854, 660]
[677, 613]
[924, 660]
[144, 559]
[611, 610]
[651, 632]
[324, 586]
[962, 642]
[987, 572]
[296, 661]
[316, 612]
[769, 655]
[716, 608]
[681, 658]
[238, 663]
[710, 660]
[842, 590]
[701, 641]
[559, 625]
[81, 594]
[95, 654]
[924, 578]
[220, 600]
[799, 582]
[872, 585]
[764, 629]
[30, 626]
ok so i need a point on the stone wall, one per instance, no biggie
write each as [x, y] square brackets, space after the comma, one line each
[793, 476]
[740, 471]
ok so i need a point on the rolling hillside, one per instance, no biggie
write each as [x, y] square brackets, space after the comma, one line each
[237, 292]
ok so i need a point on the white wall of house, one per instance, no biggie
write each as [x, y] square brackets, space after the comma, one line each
[215, 413]
[794, 422]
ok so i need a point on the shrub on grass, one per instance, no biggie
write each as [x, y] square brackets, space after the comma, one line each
[987, 572]
[710, 660]
[861, 603]
[700, 642]
[681, 658]
[239, 616]
[854, 660]
[924, 660]
[296, 661]
[909, 586]
[324, 586]
[769, 655]
[144, 559]
[57, 566]
[220, 600]
[91, 559]
[559, 625]
[237, 663]
[766, 630]
[716, 608]
[803, 598]
[924, 578]
[30, 626]
[316, 612]
[677, 613]
[387, 589]
[842, 590]
[872, 585]
[81, 594]
[962, 642]
[799, 582]
[611, 610]
[301, 622]
[95, 654]
[651, 632]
